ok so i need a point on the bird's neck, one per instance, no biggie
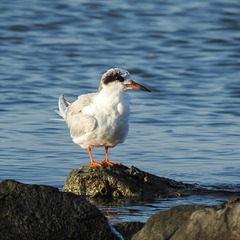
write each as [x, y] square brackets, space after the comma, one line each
[111, 96]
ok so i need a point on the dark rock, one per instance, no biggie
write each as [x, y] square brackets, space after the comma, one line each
[194, 222]
[121, 181]
[42, 212]
[128, 229]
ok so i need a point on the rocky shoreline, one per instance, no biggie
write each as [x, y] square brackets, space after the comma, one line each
[43, 212]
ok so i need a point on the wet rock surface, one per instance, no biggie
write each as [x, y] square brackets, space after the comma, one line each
[121, 181]
[194, 222]
[42, 212]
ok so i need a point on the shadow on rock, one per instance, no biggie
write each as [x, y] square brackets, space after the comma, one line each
[42, 212]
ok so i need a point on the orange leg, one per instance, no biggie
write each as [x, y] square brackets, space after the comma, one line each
[106, 161]
[93, 164]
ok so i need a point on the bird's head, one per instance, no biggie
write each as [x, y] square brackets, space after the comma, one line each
[119, 76]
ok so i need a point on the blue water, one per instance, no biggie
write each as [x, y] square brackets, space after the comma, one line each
[186, 52]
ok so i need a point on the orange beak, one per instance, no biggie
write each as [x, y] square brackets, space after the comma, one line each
[137, 86]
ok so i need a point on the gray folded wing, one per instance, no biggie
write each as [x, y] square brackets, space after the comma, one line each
[78, 122]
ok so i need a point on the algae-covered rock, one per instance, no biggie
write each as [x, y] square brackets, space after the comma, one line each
[42, 212]
[194, 222]
[120, 181]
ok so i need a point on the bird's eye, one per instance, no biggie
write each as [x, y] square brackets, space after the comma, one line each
[120, 78]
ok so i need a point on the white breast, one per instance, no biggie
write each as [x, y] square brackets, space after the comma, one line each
[111, 110]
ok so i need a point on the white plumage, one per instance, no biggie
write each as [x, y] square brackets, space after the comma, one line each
[100, 119]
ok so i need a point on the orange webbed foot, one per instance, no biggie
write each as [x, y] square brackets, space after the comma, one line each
[95, 164]
[110, 163]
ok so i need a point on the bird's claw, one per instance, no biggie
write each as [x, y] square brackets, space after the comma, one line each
[110, 163]
[95, 164]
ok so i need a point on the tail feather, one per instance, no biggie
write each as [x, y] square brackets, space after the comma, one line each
[63, 105]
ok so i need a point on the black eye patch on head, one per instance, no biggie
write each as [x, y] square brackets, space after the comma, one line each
[119, 78]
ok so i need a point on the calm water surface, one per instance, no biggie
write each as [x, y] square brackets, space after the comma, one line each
[186, 52]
